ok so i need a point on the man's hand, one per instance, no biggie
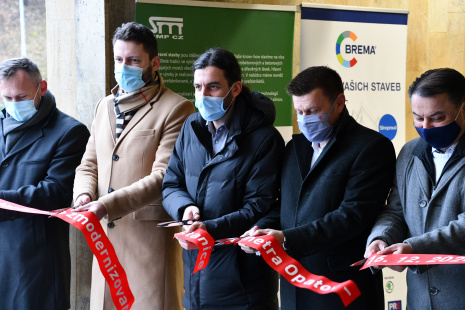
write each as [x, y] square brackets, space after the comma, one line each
[191, 212]
[82, 200]
[380, 247]
[245, 248]
[398, 248]
[254, 232]
[95, 206]
[375, 247]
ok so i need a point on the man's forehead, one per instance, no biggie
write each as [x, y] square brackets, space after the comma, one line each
[209, 75]
[19, 82]
[315, 97]
[432, 105]
[436, 101]
[122, 46]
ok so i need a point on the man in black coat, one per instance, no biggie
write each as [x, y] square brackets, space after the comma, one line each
[224, 171]
[40, 148]
[335, 179]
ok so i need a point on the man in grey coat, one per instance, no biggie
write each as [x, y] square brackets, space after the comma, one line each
[425, 209]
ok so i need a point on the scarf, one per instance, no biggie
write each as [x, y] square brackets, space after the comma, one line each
[14, 130]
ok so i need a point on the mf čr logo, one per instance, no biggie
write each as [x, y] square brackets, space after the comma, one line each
[167, 27]
[351, 49]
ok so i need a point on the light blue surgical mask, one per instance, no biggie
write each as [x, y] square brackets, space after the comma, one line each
[211, 108]
[316, 128]
[129, 78]
[21, 110]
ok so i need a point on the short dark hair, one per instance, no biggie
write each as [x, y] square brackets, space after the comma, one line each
[224, 60]
[438, 81]
[9, 67]
[140, 34]
[316, 77]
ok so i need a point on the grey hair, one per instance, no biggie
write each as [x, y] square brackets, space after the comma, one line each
[9, 67]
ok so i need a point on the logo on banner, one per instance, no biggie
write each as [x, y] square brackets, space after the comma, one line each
[388, 126]
[167, 27]
[389, 287]
[395, 305]
[351, 49]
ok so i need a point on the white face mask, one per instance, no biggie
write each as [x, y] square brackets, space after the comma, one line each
[21, 110]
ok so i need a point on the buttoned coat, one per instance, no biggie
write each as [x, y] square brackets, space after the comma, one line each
[429, 217]
[328, 210]
[126, 175]
[38, 172]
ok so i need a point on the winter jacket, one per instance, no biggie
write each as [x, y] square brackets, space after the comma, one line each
[232, 189]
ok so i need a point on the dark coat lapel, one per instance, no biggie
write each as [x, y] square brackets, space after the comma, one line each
[303, 152]
[30, 136]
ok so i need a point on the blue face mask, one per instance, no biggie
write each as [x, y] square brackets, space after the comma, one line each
[21, 110]
[211, 108]
[129, 78]
[441, 137]
[316, 128]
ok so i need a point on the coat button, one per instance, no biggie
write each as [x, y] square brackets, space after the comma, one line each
[110, 190]
[433, 291]
[423, 203]
[115, 157]
[4, 165]
[111, 225]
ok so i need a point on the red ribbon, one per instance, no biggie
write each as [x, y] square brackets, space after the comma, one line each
[296, 274]
[202, 239]
[277, 258]
[99, 244]
[412, 259]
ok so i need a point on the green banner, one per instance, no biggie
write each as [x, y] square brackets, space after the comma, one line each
[261, 39]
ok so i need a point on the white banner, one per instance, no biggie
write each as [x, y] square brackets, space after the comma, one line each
[368, 48]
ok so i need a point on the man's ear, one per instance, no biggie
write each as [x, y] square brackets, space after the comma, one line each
[340, 102]
[237, 88]
[42, 87]
[155, 63]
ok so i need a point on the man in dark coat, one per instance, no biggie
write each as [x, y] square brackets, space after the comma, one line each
[224, 171]
[335, 179]
[40, 148]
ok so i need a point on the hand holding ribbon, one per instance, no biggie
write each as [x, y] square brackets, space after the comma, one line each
[380, 247]
[412, 259]
[296, 274]
[98, 243]
[203, 241]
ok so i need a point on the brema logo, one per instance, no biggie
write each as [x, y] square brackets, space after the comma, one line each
[167, 27]
[351, 49]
